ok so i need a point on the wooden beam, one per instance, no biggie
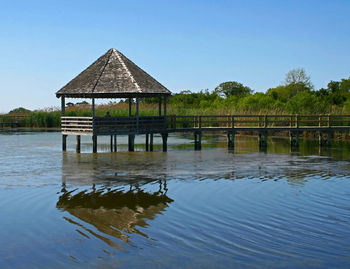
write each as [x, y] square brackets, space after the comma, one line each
[115, 143]
[63, 105]
[94, 143]
[131, 142]
[165, 100]
[165, 119]
[130, 101]
[78, 144]
[151, 142]
[165, 141]
[160, 106]
[137, 115]
[147, 144]
[111, 143]
[93, 107]
[64, 142]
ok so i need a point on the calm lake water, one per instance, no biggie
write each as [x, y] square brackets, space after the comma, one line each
[213, 208]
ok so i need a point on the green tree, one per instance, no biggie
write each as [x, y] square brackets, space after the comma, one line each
[19, 110]
[232, 88]
[345, 85]
[284, 92]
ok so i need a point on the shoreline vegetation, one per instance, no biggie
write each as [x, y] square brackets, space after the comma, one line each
[295, 96]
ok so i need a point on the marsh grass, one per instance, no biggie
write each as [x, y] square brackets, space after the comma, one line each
[51, 117]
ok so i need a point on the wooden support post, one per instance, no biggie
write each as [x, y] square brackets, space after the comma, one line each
[294, 138]
[320, 139]
[165, 101]
[231, 139]
[147, 145]
[263, 139]
[94, 143]
[325, 141]
[131, 142]
[160, 106]
[329, 138]
[63, 105]
[137, 115]
[195, 134]
[111, 143]
[197, 140]
[130, 102]
[151, 142]
[115, 143]
[165, 118]
[93, 108]
[64, 142]
[63, 109]
[165, 141]
[78, 144]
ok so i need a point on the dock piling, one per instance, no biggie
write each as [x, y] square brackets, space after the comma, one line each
[115, 143]
[78, 144]
[111, 143]
[197, 140]
[147, 144]
[94, 143]
[131, 142]
[151, 142]
[263, 139]
[325, 141]
[294, 139]
[165, 141]
[231, 139]
[64, 142]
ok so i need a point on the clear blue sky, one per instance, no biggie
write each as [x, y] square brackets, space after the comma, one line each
[186, 45]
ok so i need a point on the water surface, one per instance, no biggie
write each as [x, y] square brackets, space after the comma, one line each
[214, 208]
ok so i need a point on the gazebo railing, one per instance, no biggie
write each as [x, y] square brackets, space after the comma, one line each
[78, 125]
[121, 125]
[112, 125]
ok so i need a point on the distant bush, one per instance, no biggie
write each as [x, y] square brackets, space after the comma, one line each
[19, 110]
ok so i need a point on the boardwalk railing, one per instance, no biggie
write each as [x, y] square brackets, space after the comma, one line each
[157, 124]
[12, 121]
[181, 123]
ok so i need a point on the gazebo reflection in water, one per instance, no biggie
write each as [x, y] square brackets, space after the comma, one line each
[115, 204]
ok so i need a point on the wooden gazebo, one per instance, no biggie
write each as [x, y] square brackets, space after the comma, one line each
[114, 76]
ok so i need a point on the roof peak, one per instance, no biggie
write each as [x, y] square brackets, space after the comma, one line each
[113, 75]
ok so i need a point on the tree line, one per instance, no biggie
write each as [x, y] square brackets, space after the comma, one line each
[296, 95]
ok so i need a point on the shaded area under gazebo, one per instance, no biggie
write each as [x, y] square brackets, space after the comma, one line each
[114, 76]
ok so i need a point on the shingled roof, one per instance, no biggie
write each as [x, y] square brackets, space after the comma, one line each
[113, 76]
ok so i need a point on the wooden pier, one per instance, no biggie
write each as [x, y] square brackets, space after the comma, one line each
[262, 125]
[12, 120]
[114, 76]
